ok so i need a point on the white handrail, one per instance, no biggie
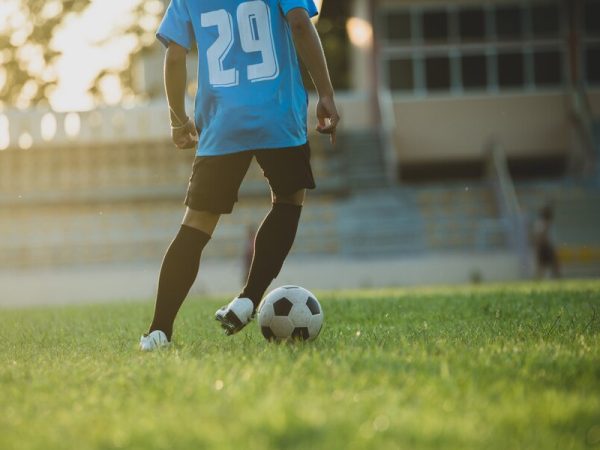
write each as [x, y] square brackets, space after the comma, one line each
[500, 173]
[583, 155]
[388, 131]
[508, 203]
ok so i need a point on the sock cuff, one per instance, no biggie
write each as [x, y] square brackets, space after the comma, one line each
[286, 207]
[193, 235]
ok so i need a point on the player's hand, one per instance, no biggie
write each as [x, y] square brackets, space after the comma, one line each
[328, 117]
[185, 136]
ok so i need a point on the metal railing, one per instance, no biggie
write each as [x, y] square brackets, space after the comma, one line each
[508, 204]
[388, 130]
[584, 160]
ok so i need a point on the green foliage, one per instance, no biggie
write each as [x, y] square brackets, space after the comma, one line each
[29, 84]
[503, 367]
[28, 35]
[38, 32]
[332, 30]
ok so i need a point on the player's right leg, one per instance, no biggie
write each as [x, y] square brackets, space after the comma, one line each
[272, 244]
[289, 174]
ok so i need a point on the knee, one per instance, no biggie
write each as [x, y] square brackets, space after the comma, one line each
[201, 220]
[296, 198]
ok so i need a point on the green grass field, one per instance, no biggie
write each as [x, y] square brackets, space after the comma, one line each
[504, 367]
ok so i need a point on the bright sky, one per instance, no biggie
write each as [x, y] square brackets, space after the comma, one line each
[86, 51]
[82, 61]
[90, 42]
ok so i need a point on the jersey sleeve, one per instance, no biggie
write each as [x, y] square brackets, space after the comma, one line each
[176, 26]
[308, 5]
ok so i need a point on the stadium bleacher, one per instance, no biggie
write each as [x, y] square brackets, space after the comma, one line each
[363, 160]
[108, 203]
[77, 204]
[459, 216]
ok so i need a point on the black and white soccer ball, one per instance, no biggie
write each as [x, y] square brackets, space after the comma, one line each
[290, 312]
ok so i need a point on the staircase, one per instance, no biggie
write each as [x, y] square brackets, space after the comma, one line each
[365, 165]
[414, 220]
[380, 222]
[459, 217]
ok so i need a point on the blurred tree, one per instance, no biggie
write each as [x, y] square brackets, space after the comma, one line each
[28, 60]
[332, 29]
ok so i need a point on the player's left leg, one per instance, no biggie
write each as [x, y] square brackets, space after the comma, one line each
[180, 267]
[212, 191]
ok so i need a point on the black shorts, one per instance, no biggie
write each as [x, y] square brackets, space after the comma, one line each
[215, 180]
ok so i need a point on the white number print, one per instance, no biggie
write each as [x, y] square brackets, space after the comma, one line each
[254, 23]
[217, 75]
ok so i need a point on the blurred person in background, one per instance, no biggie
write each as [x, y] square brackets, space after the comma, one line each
[543, 239]
[251, 103]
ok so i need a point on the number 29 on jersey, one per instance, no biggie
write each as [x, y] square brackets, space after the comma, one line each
[255, 34]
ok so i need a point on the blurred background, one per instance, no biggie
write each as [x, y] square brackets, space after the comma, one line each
[461, 120]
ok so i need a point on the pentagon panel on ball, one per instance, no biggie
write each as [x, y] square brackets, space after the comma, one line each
[290, 312]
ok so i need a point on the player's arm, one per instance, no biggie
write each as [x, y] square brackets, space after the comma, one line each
[308, 45]
[183, 130]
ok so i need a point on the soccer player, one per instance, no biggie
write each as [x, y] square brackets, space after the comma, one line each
[545, 249]
[251, 103]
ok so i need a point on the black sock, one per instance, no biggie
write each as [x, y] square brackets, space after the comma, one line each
[272, 244]
[177, 274]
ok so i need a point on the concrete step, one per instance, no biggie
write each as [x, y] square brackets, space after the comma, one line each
[365, 166]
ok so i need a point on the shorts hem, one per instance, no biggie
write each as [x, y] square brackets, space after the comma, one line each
[221, 152]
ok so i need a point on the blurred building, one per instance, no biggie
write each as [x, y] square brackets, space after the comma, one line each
[462, 73]
[462, 118]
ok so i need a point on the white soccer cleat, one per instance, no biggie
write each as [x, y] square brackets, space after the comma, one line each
[236, 315]
[154, 341]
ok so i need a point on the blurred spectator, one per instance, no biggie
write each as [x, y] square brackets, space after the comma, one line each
[543, 238]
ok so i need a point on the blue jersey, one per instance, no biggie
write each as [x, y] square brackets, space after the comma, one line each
[250, 91]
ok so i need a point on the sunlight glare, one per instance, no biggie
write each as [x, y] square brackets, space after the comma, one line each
[154, 7]
[90, 43]
[30, 90]
[19, 37]
[149, 23]
[25, 141]
[360, 32]
[2, 78]
[51, 9]
[72, 124]
[4, 132]
[7, 9]
[34, 57]
[48, 126]
[110, 86]
[17, 19]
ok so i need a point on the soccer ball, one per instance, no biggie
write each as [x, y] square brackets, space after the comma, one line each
[290, 312]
